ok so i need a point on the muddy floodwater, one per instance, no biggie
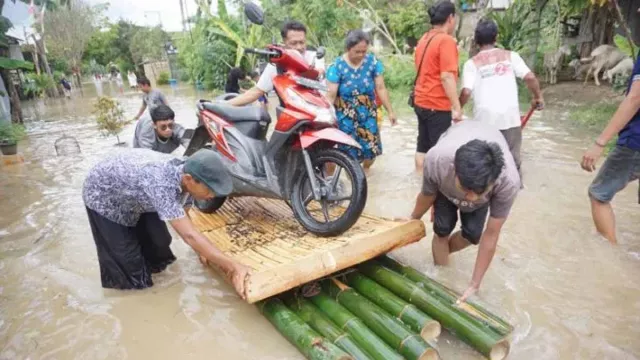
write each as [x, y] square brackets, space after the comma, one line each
[570, 294]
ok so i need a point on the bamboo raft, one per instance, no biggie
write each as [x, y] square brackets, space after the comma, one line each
[264, 235]
[358, 303]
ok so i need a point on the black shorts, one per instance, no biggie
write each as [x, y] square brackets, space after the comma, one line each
[446, 217]
[128, 255]
[431, 125]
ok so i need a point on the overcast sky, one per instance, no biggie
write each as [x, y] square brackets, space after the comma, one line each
[141, 12]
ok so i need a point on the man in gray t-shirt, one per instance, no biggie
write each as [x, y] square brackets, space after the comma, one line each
[160, 132]
[470, 170]
[151, 98]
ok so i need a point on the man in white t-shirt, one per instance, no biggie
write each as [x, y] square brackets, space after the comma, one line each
[490, 77]
[294, 36]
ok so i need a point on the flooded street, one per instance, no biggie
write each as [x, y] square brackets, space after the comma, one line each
[569, 293]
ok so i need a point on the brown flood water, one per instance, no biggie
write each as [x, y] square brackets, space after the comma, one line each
[570, 295]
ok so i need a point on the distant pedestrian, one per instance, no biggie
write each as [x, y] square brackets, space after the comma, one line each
[232, 86]
[133, 80]
[436, 101]
[66, 86]
[119, 82]
[151, 98]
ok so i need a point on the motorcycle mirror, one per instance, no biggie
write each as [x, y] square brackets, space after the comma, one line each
[254, 13]
[321, 52]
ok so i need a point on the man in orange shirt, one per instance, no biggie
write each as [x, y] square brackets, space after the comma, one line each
[436, 60]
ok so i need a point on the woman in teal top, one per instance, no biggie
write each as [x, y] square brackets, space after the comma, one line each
[354, 80]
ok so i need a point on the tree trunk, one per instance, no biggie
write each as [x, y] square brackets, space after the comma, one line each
[599, 22]
[45, 61]
[14, 99]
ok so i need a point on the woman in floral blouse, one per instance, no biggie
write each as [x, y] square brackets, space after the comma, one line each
[354, 79]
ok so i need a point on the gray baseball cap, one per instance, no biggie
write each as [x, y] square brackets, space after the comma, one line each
[206, 166]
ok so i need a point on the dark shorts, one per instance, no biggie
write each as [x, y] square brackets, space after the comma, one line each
[129, 255]
[446, 217]
[431, 125]
[621, 167]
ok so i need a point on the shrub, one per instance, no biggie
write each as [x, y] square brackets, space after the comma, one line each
[163, 78]
[110, 117]
[11, 133]
[399, 71]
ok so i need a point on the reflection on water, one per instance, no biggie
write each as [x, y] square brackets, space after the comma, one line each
[570, 294]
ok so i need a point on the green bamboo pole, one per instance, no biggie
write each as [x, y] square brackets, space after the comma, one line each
[449, 296]
[348, 322]
[391, 330]
[410, 315]
[319, 322]
[310, 343]
[482, 338]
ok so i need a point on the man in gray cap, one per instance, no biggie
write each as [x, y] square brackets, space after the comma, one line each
[130, 195]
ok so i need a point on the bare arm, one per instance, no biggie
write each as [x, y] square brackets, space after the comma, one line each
[381, 90]
[465, 95]
[627, 109]
[423, 204]
[449, 84]
[534, 86]
[486, 250]
[142, 109]
[246, 98]
[332, 93]
[234, 270]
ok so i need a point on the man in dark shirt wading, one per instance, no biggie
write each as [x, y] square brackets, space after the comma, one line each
[130, 195]
[623, 163]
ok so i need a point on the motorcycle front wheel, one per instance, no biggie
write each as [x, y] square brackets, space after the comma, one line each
[343, 188]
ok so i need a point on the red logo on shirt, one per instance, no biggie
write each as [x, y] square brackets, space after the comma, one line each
[501, 69]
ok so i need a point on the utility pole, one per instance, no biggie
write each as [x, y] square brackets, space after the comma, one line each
[184, 20]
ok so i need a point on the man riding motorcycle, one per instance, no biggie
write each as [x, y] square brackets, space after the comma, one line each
[294, 36]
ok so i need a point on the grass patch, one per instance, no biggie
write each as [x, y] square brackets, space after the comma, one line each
[595, 117]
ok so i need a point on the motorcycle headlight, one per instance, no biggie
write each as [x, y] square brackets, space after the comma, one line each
[326, 116]
[322, 114]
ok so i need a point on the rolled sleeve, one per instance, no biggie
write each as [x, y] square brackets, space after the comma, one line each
[332, 74]
[520, 68]
[265, 83]
[469, 75]
[430, 184]
[502, 201]
[165, 202]
[379, 68]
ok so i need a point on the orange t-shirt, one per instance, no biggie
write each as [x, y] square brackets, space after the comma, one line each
[442, 56]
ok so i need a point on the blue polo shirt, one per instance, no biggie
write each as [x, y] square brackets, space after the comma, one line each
[629, 136]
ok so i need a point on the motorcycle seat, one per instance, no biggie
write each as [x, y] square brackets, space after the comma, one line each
[238, 113]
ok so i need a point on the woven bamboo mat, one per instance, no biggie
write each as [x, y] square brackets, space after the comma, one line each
[263, 234]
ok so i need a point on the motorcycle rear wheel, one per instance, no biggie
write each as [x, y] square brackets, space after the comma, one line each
[301, 195]
[210, 206]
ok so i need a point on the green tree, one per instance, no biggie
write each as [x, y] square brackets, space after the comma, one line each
[71, 29]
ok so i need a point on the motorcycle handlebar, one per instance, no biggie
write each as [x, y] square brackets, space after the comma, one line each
[269, 53]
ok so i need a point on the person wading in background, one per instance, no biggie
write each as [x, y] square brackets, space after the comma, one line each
[490, 76]
[151, 98]
[436, 101]
[623, 163]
